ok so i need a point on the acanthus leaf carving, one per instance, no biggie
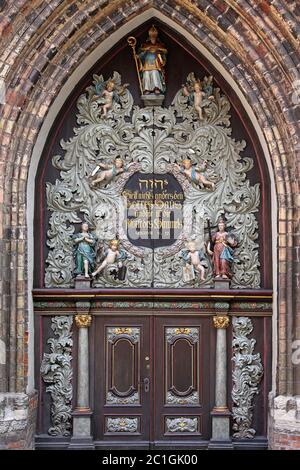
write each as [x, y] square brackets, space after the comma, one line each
[127, 130]
[56, 370]
[246, 376]
[182, 425]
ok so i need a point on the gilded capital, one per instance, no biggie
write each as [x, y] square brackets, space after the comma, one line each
[221, 321]
[83, 321]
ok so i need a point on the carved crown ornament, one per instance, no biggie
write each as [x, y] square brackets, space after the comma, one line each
[221, 321]
[83, 321]
[195, 168]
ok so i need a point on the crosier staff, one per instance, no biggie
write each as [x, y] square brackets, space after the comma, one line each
[211, 243]
[132, 43]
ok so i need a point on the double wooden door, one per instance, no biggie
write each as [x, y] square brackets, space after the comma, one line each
[152, 381]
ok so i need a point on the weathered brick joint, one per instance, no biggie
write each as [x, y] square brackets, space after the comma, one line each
[17, 420]
[42, 43]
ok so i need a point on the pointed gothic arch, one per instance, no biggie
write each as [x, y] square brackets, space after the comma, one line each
[263, 80]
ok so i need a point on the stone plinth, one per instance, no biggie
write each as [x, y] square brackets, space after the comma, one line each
[82, 282]
[153, 100]
[222, 284]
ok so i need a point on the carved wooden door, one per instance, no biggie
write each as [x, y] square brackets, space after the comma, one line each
[122, 381]
[149, 381]
[182, 371]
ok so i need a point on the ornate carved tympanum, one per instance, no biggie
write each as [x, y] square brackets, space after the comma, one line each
[109, 148]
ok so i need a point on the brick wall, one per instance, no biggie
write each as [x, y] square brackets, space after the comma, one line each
[43, 42]
[17, 420]
[284, 423]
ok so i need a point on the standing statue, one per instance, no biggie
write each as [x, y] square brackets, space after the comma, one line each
[194, 173]
[195, 261]
[85, 252]
[221, 247]
[150, 62]
[112, 255]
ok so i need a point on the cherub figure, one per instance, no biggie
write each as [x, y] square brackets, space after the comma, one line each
[108, 92]
[195, 97]
[194, 173]
[112, 255]
[196, 258]
[105, 99]
[108, 172]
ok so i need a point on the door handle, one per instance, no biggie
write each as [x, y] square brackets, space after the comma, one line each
[146, 382]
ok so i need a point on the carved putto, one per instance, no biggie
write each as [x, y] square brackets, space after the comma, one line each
[198, 94]
[194, 173]
[115, 148]
[106, 92]
[196, 261]
[113, 255]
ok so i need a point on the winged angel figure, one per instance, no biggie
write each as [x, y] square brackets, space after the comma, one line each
[106, 92]
[197, 92]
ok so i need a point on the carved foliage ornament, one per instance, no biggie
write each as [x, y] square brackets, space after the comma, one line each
[112, 399]
[122, 425]
[83, 321]
[174, 333]
[221, 321]
[127, 131]
[189, 425]
[192, 399]
[246, 376]
[56, 370]
[128, 332]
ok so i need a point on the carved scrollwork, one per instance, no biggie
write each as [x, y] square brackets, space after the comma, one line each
[191, 333]
[182, 424]
[56, 370]
[112, 399]
[127, 131]
[123, 424]
[131, 333]
[192, 399]
[246, 377]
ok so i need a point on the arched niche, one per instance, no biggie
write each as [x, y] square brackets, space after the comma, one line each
[183, 58]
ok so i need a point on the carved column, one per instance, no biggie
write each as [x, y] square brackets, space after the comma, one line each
[220, 413]
[82, 413]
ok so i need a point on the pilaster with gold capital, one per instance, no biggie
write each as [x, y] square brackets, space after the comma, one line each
[83, 321]
[221, 321]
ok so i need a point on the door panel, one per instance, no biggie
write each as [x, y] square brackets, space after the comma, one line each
[182, 397]
[122, 410]
[122, 361]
